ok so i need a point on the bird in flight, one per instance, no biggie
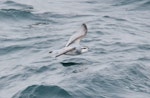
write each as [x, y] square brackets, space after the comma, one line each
[73, 46]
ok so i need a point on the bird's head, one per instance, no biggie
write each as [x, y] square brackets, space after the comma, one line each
[84, 49]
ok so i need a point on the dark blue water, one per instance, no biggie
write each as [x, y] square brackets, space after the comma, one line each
[116, 66]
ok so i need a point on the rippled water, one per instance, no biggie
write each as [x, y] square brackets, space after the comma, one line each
[117, 65]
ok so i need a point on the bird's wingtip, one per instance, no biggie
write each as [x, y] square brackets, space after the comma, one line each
[84, 25]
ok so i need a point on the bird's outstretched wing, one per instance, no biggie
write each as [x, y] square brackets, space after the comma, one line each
[62, 51]
[76, 38]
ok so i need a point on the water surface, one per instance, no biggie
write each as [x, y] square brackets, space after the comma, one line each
[117, 65]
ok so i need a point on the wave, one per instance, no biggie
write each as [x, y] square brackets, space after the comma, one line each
[11, 49]
[15, 14]
[132, 5]
[13, 10]
[42, 91]
[116, 80]
[144, 47]
[133, 77]
[126, 2]
[12, 4]
[143, 6]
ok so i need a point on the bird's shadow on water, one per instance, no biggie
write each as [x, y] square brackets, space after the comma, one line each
[74, 67]
[74, 62]
[67, 64]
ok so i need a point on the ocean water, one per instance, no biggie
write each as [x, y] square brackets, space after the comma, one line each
[116, 66]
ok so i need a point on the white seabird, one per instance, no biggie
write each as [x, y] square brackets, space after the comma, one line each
[73, 46]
